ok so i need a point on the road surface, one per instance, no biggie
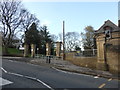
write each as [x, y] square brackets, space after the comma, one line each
[25, 75]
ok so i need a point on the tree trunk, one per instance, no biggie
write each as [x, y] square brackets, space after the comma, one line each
[5, 50]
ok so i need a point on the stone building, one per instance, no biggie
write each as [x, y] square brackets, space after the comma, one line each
[108, 47]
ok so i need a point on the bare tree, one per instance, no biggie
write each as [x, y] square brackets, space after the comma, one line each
[54, 37]
[72, 40]
[27, 20]
[87, 37]
[60, 36]
[10, 20]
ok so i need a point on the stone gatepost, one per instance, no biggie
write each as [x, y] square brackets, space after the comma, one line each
[48, 49]
[58, 48]
[33, 48]
[101, 64]
[26, 48]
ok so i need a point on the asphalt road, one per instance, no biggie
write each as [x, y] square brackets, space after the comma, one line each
[25, 75]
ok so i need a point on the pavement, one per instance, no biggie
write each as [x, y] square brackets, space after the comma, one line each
[65, 66]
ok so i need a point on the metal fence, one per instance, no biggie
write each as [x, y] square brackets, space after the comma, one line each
[86, 53]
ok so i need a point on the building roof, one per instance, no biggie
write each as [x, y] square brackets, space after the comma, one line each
[110, 24]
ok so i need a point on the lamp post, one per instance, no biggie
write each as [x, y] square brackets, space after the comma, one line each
[105, 56]
[107, 36]
[63, 41]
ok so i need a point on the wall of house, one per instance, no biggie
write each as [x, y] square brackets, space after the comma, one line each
[112, 52]
[112, 55]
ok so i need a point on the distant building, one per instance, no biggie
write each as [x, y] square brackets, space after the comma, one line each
[108, 46]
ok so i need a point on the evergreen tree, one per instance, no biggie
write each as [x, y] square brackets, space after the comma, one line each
[32, 35]
[45, 37]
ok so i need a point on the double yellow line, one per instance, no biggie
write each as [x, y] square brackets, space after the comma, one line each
[102, 85]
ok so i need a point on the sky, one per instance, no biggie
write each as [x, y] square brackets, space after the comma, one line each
[77, 15]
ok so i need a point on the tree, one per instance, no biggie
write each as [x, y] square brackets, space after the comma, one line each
[27, 20]
[45, 34]
[60, 36]
[32, 35]
[77, 48]
[45, 37]
[10, 20]
[53, 37]
[87, 37]
[72, 40]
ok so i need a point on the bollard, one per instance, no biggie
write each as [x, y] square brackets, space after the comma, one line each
[48, 59]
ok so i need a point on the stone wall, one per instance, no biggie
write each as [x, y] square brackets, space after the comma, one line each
[112, 55]
[89, 62]
[112, 52]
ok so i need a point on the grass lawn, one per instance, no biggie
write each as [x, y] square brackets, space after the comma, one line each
[0, 50]
[14, 52]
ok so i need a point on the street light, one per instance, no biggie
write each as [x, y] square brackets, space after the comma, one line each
[63, 40]
[107, 37]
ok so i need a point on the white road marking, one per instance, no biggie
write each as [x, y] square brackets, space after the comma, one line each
[28, 77]
[15, 74]
[45, 84]
[4, 82]
[3, 70]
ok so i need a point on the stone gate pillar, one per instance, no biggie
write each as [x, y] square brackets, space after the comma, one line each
[48, 49]
[33, 49]
[26, 48]
[101, 65]
[58, 48]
